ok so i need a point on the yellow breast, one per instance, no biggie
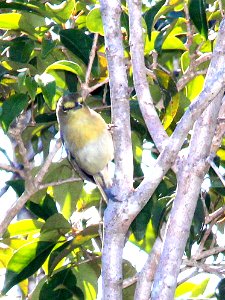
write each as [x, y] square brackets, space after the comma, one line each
[88, 139]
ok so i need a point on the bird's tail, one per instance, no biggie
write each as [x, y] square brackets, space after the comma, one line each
[104, 183]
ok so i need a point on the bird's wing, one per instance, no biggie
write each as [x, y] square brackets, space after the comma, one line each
[83, 175]
[79, 171]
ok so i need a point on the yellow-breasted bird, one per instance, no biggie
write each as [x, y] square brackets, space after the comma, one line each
[87, 140]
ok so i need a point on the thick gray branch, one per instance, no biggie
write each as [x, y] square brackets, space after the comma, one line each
[141, 85]
[111, 11]
[214, 83]
[114, 233]
[189, 184]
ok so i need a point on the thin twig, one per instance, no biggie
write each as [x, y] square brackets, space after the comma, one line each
[40, 175]
[12, 169]
[217, 171]
[98, 85]
[91, 59]
[130, 281]
[57, 183]
[218, 213]
[205, 237]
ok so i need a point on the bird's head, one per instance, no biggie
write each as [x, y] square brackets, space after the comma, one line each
[70, 102]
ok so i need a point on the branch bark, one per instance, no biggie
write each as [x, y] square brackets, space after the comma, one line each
[32, 185]
[214, 83]
[141, 85]
[189, 184]
[114, 232]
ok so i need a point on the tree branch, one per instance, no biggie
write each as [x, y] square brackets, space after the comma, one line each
[12, 169]
[146, 276]
[114, 232]
[147, 107]
[214, 83]
[111, 11]
[32, 185]
[189, 184]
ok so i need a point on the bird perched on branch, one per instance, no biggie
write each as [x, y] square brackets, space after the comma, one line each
[87, 140]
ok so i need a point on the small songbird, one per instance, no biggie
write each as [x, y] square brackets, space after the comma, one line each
[87, 140]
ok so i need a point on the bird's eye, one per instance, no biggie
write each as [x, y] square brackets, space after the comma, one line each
[68, 106]
[78, 105]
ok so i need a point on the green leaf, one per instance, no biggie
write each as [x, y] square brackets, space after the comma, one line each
[170, 43]
[31, 86]
[150, 15]
[55, 227]
[185, 289]
[173, 43]
[171, 111]
[194, 87]
[23, 227]
[87, 278]
[3, 71]
[200, 288]
[38, 7]
[80, 238]
[94, 21]
[11, 108]
[220, 290]
[23, 21]
[45, 209]
[25, 262]
[18, 185]
[61, 12]
[48, 87]
[20, 49]
[67, 66]
[62, 285]
[47, 46]
[197, 10]
[10, 21]
[66, 195]
[57, 255]
[140, 223]
[5, 256]
[80, 44]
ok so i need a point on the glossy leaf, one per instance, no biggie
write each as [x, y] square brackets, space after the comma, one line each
[197, 10]
[171, 111]
[31, 86]
[46, 47]
[78, 43]
[5, 256]
[194, 87]
[54, 227]
[140, 223]
[150, 15]
[10, 21]
[44, 209]
[23, 227]
[87, 277]
[48, 87]
[63, 251]
[62, 285]
[30, 7]
[94, 21]
[61, 12]
[22, 21]
[11, 108]
[25, 262]
[18, 185]
[68, 66]
[20, 49]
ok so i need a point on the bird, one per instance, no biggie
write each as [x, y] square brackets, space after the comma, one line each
[87, 140]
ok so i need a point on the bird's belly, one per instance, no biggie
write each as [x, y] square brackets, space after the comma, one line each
[93, 156]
